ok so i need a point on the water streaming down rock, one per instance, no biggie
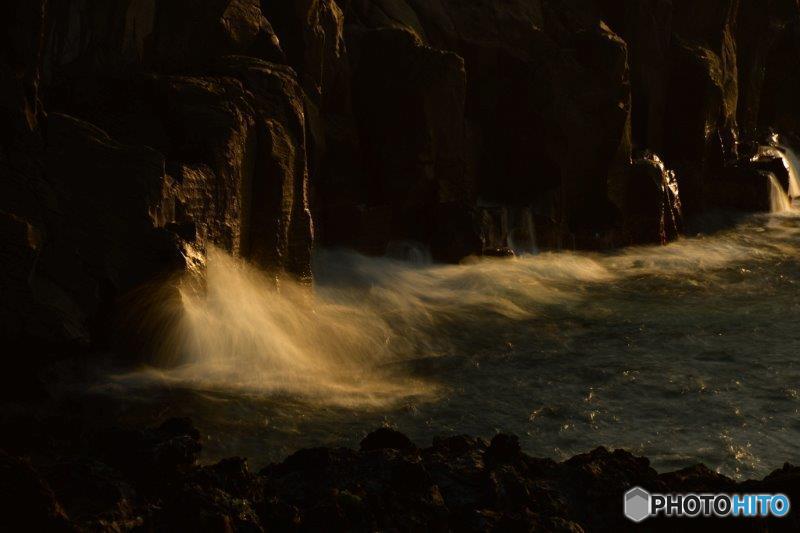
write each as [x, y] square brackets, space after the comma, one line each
[779, 201]
[778, 148]
[522, 235]
[793, 166]
[508, 230]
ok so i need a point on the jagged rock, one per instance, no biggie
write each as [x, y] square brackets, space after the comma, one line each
[312, 34]
[386, 439]
[90, 236]
[503, 449]
[779, 108]
[772, 163]
[684, 76]
[198, 509]
[100, 239]
[703, 89]
[87, 37]
[20, 76]
[530, 69]
[742, 188]
[408, 102]
[649, 203]
[278, 217]
[210, 123]
[186, 34]
[646, 27]
[230, 475]
[93, 494]
[26, 501]
[698, 478]
[758, 27]
[459, 483]
[397, 14]
[155, 459]
[498, 252]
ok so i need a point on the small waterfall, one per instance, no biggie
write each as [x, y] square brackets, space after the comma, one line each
[409, 252]
[778, 148]
[509, 228]
[522, 237]
[793, 166]
[779, 201]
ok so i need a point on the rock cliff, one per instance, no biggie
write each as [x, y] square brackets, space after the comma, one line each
[135, 130]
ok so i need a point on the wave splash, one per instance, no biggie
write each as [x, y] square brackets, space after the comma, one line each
[350, 339]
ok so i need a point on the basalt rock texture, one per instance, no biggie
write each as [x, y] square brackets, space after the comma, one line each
[150, 480]
[137, 133]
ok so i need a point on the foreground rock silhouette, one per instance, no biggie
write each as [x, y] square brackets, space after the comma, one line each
[150, 480]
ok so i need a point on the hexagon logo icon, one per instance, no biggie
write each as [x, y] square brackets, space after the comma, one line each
[637, 504]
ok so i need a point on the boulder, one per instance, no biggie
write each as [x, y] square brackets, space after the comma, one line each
[649, 202]
[92, 494]
[386, 438]
[26, 500]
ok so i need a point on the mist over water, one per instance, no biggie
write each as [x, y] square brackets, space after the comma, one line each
[684, 353]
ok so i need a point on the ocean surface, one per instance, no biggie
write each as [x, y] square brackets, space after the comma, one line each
[683, 353]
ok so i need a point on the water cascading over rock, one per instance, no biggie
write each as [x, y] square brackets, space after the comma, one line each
[779, 201]
[778, 148]
[508, 230]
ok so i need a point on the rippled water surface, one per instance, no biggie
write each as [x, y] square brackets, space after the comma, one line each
[685, 353]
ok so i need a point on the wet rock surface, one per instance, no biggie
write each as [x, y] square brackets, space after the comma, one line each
[151, 480]
[264, 128]
[135, 134]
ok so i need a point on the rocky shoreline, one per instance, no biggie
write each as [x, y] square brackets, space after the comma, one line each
[152, 480]
[138, 133]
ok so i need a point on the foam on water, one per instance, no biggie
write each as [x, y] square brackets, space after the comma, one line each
[341, 341]
[684, 353]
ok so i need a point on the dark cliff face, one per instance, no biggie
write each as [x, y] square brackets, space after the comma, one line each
[133, 129]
